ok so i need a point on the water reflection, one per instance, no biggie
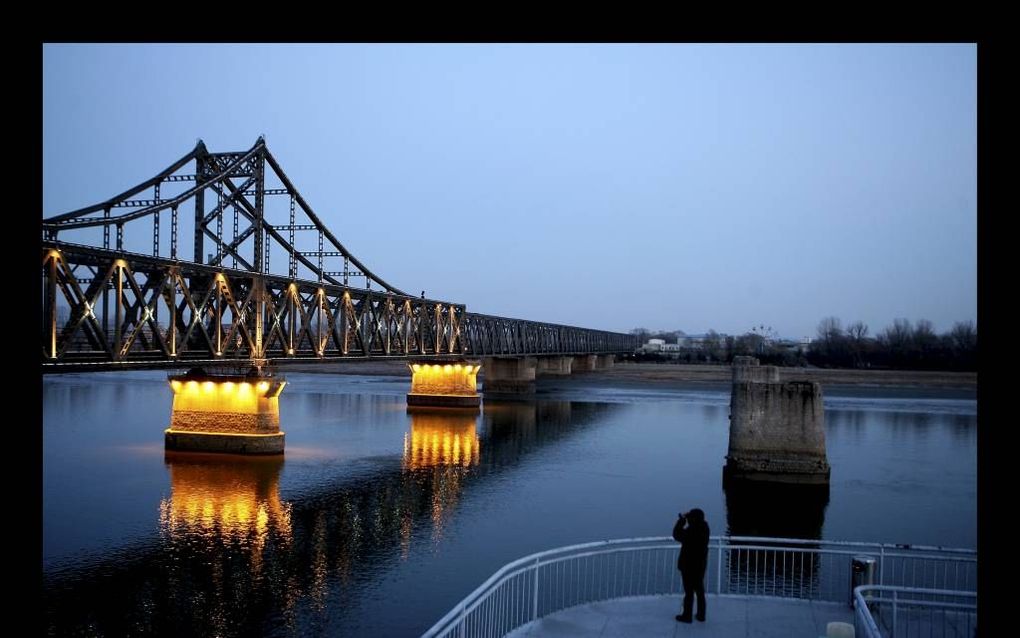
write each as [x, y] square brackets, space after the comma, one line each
[234, 499]
[775, 509]
[779, 511]
[962, 427]
[447, 437]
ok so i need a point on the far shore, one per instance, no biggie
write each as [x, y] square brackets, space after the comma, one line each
[685, 375]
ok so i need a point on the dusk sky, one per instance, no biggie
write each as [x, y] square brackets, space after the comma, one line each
[606, 186]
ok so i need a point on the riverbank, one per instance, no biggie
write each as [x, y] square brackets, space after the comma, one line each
[685, 375]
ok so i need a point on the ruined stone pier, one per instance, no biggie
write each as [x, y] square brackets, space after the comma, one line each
[777, 429]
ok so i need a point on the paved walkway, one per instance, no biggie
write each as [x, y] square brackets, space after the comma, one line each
[728, 617]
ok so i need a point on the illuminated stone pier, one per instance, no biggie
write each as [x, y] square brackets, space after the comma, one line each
[510, 375]
[231, 414]
[444, 385]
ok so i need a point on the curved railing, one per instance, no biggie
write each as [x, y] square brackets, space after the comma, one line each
[883, 611]
[540, 584]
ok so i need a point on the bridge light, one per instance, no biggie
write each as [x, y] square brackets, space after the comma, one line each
[245, 388]
[208, 386]
[416, 367]
[193, 386]
[228, 386]
[176, 385]
[447, 368]
[290, 350]
[263, 386]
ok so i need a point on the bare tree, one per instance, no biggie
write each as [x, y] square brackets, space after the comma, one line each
[898, 335]
[712, 345]
[642, 333]
[925, 340]
[857, 331]
[829, 330]
[964, 336]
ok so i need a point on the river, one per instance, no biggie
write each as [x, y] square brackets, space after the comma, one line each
[377, 521]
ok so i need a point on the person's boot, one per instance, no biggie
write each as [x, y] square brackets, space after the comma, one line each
[686, 615]
[701, 617]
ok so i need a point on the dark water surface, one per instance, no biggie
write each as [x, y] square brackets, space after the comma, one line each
[377, 521]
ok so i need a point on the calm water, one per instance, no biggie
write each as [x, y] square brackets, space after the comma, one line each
[378, 521]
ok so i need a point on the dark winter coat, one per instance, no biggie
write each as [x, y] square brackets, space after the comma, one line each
[694, 546]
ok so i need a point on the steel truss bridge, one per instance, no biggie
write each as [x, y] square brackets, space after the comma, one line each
[246, 294]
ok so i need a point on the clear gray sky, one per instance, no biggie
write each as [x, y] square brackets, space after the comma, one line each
[608, 186]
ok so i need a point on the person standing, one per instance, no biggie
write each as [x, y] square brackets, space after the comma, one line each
[692, 532]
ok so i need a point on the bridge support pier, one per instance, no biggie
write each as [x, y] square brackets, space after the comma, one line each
[510, 375]
[604, 361]
[553, 366]
[585, 362]
[231, 414]
[777, 429]
[445, 385]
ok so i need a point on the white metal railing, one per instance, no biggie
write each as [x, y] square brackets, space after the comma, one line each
[537, 585]
[881, 611]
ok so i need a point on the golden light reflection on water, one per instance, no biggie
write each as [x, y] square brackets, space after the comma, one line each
[225, 498]
[445, 442]
[441, 438]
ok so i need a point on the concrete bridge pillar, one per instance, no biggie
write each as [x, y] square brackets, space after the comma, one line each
[510, 375]
[777, 429]
[585, 362]
[604, 361]
[554, 366]
[231, 414]
[444, 385]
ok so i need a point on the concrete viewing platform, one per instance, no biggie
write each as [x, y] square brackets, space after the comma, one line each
[728, 617]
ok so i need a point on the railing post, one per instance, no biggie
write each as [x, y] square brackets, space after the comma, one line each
[881, 565]
[534, 591]
[718, 571]
[895, 604]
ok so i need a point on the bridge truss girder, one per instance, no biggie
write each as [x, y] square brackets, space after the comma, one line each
[129, 310]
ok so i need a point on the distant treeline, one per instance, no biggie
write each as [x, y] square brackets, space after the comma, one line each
[902, 345]
[899, 346]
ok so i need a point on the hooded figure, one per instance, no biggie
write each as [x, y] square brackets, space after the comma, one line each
[692, 533]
